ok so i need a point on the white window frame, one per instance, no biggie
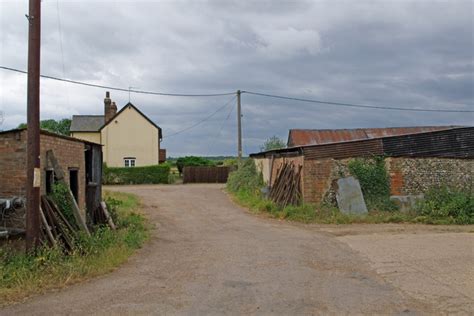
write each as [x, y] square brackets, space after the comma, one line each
[129, 162]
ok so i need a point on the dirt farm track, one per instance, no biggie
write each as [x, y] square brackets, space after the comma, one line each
[208, 256]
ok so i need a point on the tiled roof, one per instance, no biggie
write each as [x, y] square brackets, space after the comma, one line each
[87, 123]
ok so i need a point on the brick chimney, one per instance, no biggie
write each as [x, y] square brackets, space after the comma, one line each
[110, 109]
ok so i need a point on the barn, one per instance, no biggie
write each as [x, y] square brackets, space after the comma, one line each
[416, 159]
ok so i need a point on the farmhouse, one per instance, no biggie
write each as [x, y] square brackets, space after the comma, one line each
[416, 158]
[80, 161]
[129, 137]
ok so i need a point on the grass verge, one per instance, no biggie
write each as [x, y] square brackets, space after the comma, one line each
[24, 275]
[320, 214]
[323, 214]
[441, 206]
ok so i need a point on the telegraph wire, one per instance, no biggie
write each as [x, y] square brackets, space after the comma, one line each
[203, 120]
[355, 105]
[220, 129]
[246, 92]
[121, 89]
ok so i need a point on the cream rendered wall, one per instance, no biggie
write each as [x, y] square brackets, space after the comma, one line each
[93, 137]
[130, 135]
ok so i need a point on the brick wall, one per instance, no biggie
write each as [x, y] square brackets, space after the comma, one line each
[12, 164]
[317, 179]
[70, 154]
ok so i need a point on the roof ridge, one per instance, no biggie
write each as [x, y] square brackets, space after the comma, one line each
[366, 128]
[98, 115]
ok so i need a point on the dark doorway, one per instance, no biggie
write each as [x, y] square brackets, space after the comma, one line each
[49, 181]
[74, 183]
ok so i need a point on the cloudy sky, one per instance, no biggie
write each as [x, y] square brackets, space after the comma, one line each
[411, 54]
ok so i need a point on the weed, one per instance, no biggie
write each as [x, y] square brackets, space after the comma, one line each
[445, 204]
[61, 196]
[374, 182]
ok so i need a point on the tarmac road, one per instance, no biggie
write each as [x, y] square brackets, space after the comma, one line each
[208, 256]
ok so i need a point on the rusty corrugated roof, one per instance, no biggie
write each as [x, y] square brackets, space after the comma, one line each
[304, 137]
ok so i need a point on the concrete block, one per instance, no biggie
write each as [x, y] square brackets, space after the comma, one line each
[406, 203]
[349, 196]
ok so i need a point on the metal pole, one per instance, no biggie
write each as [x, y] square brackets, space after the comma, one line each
[239, 128]
[33, 174]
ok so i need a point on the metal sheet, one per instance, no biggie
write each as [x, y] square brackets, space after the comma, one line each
[304, 137]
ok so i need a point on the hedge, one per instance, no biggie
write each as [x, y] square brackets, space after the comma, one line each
[137, 175]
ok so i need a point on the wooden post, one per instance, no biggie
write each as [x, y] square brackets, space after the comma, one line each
[33, 175]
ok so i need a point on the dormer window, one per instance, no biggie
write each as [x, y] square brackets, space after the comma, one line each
[129, 162]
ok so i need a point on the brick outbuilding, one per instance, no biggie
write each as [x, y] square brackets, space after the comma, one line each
[81, 162]
[415, 161]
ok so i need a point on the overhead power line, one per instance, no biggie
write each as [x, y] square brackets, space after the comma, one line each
[211, 146]
[356, 105]
[379, 107]
[122, 89]
[203, 120]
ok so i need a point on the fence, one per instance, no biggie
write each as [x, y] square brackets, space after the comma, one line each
[206, 174]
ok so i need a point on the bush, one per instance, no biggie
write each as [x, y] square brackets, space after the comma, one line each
[374, 182]
[447, 204]
[192, 161]
[137, 175]
[246, 178]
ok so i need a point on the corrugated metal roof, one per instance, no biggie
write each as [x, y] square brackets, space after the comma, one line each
[87, 123]
[304, 137]
[447, 143]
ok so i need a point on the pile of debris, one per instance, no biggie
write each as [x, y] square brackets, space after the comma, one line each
[58, 230]
[287, 187]
[12, 216]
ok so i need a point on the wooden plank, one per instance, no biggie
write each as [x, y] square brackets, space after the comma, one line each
[47, 228]
[103, 206]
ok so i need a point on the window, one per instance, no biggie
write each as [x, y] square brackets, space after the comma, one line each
[129, 162]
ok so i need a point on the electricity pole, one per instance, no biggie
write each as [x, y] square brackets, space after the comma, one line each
[239, 128]
[33, 175]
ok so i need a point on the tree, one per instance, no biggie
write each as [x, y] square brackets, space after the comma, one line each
[273, 143]
[192, 161]
[58, 127]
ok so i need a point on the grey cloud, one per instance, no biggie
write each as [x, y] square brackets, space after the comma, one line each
[408, 54]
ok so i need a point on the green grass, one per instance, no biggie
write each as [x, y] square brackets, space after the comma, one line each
[24, 275]
[323, 214]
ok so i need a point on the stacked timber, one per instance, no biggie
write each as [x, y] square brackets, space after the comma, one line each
[57, 230]
[287, 187]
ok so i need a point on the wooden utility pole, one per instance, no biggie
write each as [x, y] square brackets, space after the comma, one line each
[33, 175]
[239, 128]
